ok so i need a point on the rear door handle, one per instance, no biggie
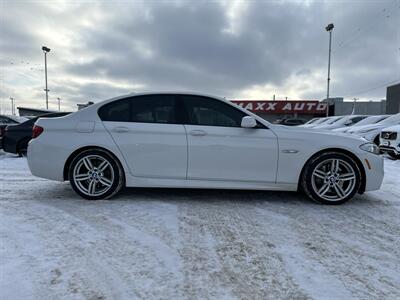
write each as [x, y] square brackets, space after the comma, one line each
[120, 129]
[197, 132]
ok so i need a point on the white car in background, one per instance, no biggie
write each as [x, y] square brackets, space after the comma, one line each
[371, 132]
[320, 122]
[182, 140]
[367, 121]
[310, 122]
[390, 141]
[343, 121]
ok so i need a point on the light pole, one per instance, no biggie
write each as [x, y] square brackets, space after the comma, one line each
[354, 106]
[59, 105]
[12, 105]
[45, 51]
[329, 28]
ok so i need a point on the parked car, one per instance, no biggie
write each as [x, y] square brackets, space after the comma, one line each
[16, 137]
[289, 122]
[367, 121]
[311, 121]
[319, 122]
[182, 140]
[371, 132]
[6, 120]
[390, 141]
[344, 121]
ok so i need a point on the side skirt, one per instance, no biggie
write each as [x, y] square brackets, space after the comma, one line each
[207, 184]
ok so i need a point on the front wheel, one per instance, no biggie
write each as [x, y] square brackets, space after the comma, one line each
[95, 174]
[331, 178]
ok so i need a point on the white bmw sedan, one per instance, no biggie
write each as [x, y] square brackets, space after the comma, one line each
[184, 140]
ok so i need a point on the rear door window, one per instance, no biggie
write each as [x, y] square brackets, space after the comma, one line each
[141, 109]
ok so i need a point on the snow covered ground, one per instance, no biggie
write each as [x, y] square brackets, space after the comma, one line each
[194, 244]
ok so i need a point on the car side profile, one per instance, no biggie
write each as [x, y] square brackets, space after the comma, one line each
[192, 140]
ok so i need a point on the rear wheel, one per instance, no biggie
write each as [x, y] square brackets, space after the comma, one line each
[23, 147]
[331, 178]
[95, 174]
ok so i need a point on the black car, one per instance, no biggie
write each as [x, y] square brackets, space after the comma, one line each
[289, 122]
[6, 120]
[17, 137]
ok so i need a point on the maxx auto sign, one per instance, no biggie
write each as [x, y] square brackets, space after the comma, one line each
[283, 107]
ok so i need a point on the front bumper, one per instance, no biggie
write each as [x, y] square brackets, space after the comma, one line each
[373, 166]
[390, 146]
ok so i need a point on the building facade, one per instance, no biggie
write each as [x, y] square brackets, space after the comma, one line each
[393, 99]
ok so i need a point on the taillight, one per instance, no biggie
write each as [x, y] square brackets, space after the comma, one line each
[36, 131]
[1, 131]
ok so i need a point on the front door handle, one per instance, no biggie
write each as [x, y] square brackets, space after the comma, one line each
[120, 129]
[197, 132]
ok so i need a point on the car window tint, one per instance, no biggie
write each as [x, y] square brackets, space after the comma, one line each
[154, 109]
[118, 111]
[211, 112]
[357, 119]
[5, 120]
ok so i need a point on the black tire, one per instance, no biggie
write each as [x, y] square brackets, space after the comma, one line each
[306, 180]
[23, 147]
[117, 181]
[394, 156]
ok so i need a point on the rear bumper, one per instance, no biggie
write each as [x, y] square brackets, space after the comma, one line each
[8, 145]
[46, 161]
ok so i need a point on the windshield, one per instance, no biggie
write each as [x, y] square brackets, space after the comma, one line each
[391, 120]
[312, 121]
[18, 119]
[371, 120]
[322, 120]
[333, 120]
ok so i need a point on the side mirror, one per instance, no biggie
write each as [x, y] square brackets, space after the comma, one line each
[248, 122]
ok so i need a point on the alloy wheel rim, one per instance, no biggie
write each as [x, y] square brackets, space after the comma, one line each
[93, 175]
[333, 179]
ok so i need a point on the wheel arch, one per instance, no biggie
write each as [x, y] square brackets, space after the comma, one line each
[343, 151]
[80, 150]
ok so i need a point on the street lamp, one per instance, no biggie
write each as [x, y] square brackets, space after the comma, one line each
[12, 105]
[45, 51]
[329, 28]
[59, 105]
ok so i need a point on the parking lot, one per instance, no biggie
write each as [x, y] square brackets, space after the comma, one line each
[194, 244]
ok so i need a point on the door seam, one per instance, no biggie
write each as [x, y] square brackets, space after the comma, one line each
[187, 152]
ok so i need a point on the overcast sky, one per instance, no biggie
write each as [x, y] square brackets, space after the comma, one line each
[234, 49]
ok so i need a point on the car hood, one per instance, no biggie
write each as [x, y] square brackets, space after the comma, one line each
[366, 127]
[395, 128]
[317, 134]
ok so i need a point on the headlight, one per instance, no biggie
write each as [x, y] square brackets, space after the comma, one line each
[370, 147]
